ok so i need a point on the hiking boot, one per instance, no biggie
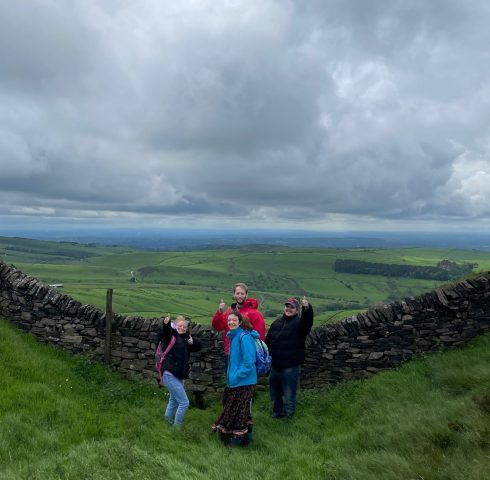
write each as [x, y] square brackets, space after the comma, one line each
[278, 416]
[235, 442]
[249, 437]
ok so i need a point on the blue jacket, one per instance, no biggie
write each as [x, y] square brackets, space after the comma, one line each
[241, 364]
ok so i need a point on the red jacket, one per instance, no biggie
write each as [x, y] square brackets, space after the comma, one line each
[249, 310]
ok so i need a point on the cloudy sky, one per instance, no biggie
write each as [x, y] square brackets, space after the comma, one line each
[324, 114]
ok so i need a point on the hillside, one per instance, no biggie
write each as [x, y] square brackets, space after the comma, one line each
[192, 283]
[15, 249]
[65, 418]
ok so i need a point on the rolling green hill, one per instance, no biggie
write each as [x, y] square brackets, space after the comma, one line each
[192, 283]
[63, 417]
[15, 249]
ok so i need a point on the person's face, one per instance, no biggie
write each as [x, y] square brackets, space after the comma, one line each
[233, 322]
[239, 295]
[181, 327]
[290, 310]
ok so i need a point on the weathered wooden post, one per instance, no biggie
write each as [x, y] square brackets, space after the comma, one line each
[108, 327]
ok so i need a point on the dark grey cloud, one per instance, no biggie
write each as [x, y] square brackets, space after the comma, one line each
[258, 111]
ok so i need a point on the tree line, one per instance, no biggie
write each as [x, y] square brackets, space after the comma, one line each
[443, 271]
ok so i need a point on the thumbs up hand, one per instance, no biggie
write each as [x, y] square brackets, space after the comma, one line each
[222, 306]
[305, 302]
[167, 318]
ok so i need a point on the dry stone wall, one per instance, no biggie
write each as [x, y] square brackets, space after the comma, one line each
[59, 319]
[356, 347]
[384, 337]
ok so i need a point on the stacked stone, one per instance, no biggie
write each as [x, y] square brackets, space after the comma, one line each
[385, 336]
[49, 315]
[135, 342]
[356, 347]
[58, 319]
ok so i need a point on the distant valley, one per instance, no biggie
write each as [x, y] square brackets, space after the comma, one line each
[191, 282]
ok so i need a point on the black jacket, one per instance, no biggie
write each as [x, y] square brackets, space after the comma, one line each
[286, 339]
[177, 359]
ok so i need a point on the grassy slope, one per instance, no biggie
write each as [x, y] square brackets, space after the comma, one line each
[62, 418]
[15, 249]
[192, 283]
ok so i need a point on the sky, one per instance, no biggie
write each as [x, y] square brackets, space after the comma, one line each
[308, 114]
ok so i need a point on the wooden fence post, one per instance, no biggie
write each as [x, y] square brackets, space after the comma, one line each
[108, 327]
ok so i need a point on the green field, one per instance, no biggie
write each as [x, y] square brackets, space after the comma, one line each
[62, 417]
[192, 283]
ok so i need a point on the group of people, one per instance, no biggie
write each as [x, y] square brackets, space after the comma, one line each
[241, 323]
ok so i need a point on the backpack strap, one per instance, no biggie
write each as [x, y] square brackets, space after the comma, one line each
[169, 346]
[171, 343]
[242, 335]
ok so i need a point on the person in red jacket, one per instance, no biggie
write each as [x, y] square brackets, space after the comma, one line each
[248, 307]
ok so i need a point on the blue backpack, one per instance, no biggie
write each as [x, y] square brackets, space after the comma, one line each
[263, 360]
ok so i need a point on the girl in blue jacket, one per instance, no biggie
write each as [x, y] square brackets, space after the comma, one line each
[235, 422]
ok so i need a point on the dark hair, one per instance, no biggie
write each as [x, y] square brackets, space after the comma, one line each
[246, 325]
[243, 321]
[236, 313]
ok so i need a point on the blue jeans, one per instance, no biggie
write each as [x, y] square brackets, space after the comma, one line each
[178, 399]
[283, 383]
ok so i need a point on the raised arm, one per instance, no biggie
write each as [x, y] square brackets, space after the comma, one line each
[166, 329]
[219, 318]
[306, 317]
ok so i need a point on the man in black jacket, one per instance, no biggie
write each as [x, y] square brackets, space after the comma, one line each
[286, 341]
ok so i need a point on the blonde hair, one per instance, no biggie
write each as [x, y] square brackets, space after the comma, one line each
[180, 318]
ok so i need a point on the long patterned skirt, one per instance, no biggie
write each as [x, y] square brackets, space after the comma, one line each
[236, 418]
